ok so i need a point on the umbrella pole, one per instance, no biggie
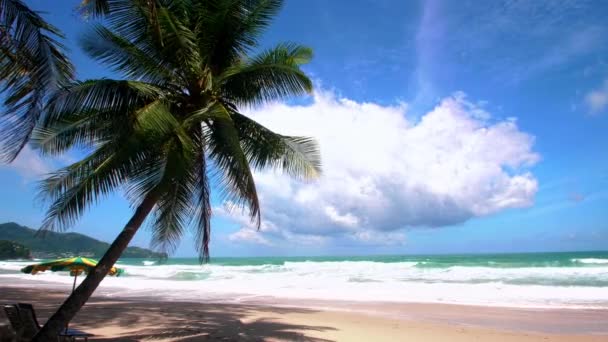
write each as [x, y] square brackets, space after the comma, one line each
[73, 288]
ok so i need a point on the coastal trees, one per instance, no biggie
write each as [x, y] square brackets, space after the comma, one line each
[13, 250]
[171, 127]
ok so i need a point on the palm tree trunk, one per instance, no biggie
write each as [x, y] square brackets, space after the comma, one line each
[83, 292]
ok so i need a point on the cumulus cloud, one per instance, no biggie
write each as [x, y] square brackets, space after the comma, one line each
[267, 233]
[249, 235]
[597, 99]
[383, 174]
[29, 164]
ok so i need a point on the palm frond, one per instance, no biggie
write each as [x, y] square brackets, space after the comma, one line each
[74, 188]
[117, 97]
[179, 42]
[213, 111]
[202, 202]
[134, 61]
[272, 75]
[135, 20]
[297, 156]
[94, 8]
[158, 130]
[149, 122]
[229, 29]
[224, 147]
[33, 64]
[175, 125]
[182, 9]
[129, 158]
[176, 191]
[258, 15]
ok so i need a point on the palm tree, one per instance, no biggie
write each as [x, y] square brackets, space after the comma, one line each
[33, 64]
[172, 127]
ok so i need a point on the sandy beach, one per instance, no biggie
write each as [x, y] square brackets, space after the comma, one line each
[147, 319]
[288, 170]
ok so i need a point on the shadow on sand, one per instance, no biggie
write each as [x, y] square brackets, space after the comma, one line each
[175, 321]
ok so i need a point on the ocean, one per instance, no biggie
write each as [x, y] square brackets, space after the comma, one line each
[541, 280]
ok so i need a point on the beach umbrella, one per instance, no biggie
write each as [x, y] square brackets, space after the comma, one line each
[75, 266]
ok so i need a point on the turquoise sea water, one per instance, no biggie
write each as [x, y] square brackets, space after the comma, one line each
[571, 260]
[556, 259]
[576, 279]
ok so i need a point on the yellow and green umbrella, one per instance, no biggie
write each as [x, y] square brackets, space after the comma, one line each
[75, 266]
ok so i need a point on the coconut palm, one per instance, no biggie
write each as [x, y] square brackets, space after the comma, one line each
[172, 127]
[32, 65]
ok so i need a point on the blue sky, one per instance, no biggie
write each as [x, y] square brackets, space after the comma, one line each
[446, 127]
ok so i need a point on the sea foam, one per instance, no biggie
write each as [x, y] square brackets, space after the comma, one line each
[584, 286]
[591, 261]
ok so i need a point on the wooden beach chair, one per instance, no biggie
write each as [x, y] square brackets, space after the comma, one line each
[23, 320]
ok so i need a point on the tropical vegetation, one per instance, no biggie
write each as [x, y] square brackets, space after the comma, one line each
[51, 245]
[13, 250]
[33, 64]
[170, 128]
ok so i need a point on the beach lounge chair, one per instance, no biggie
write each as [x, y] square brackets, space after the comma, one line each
[23, 319]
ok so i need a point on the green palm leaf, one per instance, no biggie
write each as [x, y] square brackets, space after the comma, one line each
[32, 65]
[92, 112]
[297, 156]
[135, 61]
[274, 74]
[94, 8]
[202, 208]
[176, 192]
[238, 185]
[167, 134]
[172, 131]
[74, 188]
[229, 29]
[179, 42]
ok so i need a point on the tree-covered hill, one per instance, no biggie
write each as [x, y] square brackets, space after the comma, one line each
[13, 250]
[52, 245]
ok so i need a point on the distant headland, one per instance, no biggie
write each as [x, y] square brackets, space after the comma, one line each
[21, 242]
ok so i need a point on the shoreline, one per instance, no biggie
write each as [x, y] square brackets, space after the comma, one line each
[272, 319]
[534, 281]
[118, 289]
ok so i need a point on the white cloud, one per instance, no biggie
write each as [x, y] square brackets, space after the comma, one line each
[383, 174]
[29, 164]
[346, 220]
[379, 238]
[249, 235]
[597, 100]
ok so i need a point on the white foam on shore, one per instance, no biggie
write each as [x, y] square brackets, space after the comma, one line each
[543, 287]
[591, 261]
